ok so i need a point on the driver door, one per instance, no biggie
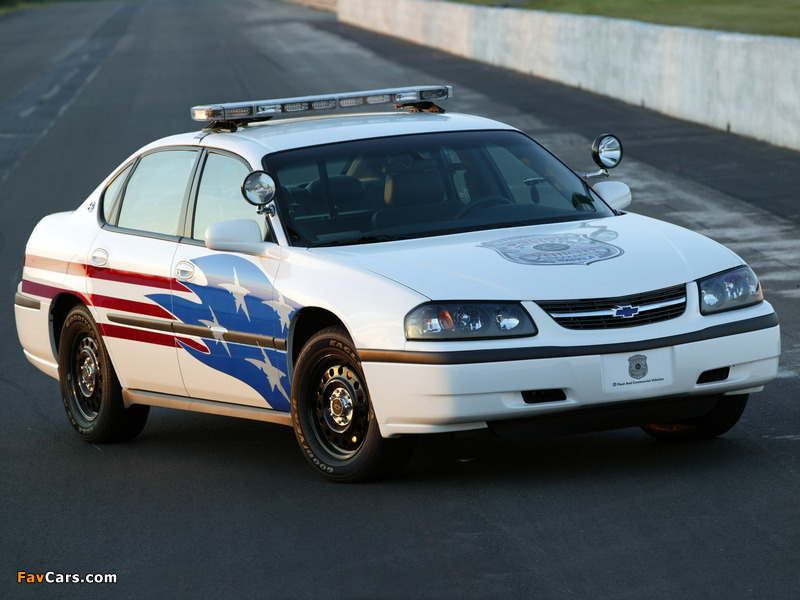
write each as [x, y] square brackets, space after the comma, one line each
[227, 302]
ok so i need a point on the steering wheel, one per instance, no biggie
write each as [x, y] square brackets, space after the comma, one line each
[482, 202]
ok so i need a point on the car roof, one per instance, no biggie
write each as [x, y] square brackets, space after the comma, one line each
[257, 139]
[285, 134]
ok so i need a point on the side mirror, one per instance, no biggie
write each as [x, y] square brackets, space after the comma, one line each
[241, 235]
[258, 188]
[607, 151]
[616, 194]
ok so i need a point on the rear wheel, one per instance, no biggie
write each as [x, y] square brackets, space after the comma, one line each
[332, 415]
[89, 385]
[723, 417]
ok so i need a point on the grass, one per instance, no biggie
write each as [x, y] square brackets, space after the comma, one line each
[7, 6]
[762, 17]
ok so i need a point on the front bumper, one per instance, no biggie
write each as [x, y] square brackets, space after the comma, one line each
[414, 397]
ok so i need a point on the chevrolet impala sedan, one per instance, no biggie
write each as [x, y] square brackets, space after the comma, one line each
[367, 277]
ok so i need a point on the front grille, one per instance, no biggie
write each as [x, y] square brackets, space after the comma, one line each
[613, 313]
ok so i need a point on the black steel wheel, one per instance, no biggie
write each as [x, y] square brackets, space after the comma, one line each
[89, 385]
[721, 419]
[333, 418]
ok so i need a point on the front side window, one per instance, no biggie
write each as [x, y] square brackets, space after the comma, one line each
[219, 197]
[423, 185]
[156, 191]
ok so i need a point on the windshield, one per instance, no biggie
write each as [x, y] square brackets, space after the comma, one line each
[424, 185]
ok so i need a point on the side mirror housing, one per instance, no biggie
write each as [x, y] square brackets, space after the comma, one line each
[616, 194]
[241, 235]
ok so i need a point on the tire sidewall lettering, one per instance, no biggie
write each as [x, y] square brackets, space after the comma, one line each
[344, 348]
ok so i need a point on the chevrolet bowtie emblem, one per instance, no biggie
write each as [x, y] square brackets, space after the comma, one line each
[626, 312]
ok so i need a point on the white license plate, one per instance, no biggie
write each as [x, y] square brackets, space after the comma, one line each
[647, 369]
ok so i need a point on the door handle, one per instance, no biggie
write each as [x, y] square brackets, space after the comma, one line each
[184, 270]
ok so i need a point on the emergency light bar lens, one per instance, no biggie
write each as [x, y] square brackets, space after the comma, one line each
[323, 104]
[347, 102]
[207, 113]
[406, 97]
[440, 94]
[295, 106]
[238, 112]
[381, 99]
[268, 109]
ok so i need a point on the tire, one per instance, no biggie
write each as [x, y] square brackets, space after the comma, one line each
[722, 418]
[332, 415]
[89, 386]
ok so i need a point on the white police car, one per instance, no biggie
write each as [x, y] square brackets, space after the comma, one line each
[402, 273]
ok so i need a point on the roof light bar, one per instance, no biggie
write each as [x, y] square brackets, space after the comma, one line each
[265, 109]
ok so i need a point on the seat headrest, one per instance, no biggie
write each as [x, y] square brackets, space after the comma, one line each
[345, 192]
[414, 187]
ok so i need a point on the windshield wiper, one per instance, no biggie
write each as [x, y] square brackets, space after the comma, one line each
[515, 224]
[366, 239]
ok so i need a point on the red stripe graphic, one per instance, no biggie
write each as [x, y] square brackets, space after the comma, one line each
[103, 273]
[149, 337]
[131, 277]
[47, 291]
[112, 303]
[131, 306]
[54, 265]
[108, 302]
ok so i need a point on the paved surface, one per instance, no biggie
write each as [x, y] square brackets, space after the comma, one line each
[208, 507]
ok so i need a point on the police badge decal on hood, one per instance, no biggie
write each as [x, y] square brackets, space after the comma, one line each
[559, 248]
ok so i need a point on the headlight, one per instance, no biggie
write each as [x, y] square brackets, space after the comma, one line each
[732, 289]
[468, 321]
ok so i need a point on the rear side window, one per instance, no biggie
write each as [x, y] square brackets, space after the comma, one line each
[156, 191]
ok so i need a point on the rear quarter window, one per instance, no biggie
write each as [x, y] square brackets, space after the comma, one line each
[112, 194]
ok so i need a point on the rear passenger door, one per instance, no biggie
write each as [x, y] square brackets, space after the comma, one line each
[130, 267]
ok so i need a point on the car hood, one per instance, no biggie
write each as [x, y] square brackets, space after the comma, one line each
[597, 258]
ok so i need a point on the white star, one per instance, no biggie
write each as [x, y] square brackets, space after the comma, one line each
[274, 374]
[216, 330]
[238, 292]
[284, 310]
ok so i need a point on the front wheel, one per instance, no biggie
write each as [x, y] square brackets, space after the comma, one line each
[89, 385]
[722, 417]
[332, 415]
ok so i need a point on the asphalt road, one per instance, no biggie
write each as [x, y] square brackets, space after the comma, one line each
[209, 507]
